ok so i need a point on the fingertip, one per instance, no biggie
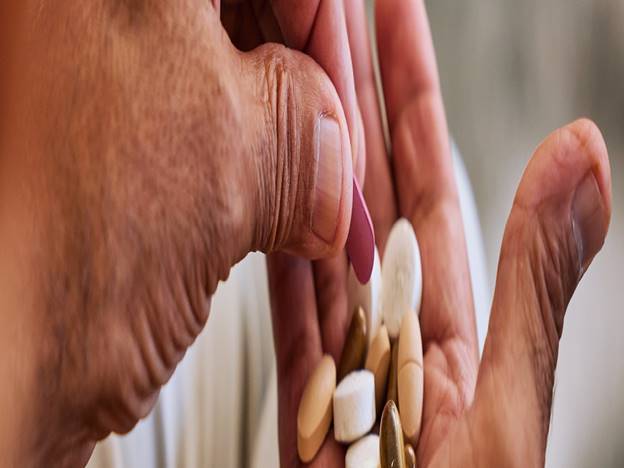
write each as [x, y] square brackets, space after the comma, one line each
[589, 137]
[561, 162]
[331, 197]
[307, 167]
[361, 239]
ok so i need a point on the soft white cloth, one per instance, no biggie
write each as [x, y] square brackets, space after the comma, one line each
[220, 407]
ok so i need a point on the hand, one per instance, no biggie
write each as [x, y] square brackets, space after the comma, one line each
[493, 413]
[557, 225]
[142, 155]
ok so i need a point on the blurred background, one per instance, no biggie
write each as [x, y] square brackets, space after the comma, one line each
[511, 72]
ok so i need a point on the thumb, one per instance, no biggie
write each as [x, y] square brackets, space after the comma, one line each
[558, 223]
[300, 187]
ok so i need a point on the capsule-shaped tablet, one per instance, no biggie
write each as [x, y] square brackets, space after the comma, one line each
[391, 450]
[364, 453]
[410, 376]
[391, 385]
[410, 456]
[378, 362]
[315, 409]
[401, 276]
[354, 349]
[354, 406]
[367, 296]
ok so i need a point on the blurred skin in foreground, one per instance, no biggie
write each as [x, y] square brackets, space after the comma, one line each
[147, 146]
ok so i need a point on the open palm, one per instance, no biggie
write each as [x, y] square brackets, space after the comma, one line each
[493, 413]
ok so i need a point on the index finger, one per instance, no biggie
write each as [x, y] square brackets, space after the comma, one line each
[423, 168]
[427, 196]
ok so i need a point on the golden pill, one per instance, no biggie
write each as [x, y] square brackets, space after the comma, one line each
[315, 409]
[378, 362]
[355, 345]
[391, 450]
[410, 456]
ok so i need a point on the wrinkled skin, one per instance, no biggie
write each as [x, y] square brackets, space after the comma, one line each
[144, 156]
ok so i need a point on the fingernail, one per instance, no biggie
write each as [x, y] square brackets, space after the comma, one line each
[361, 239]
[588, 219]
[328, 184]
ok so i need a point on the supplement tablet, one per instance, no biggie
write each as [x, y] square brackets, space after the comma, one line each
[378, 362]
[354, 406]
[315, 409]
[410, 376]
[401, 276]
[364, 453]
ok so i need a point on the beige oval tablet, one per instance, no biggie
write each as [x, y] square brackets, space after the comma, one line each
[410, 378]
[411, 397]
[378, 362]
[410, 341]
[315, 409]
[391, 384]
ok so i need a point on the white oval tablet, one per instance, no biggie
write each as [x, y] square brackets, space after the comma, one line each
[354, 406]
[367, 296]
[401, 276]
[364, 453]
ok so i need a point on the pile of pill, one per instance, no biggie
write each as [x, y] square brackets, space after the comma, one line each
[381, 367]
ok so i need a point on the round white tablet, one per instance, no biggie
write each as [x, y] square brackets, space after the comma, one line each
[364, 453]
[354, 406]
[401, 276]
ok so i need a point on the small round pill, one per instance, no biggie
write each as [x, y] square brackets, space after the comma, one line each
[364, 453]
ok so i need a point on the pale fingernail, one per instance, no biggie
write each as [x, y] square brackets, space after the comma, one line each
[361, 239]
[588, 219]
[328, 184]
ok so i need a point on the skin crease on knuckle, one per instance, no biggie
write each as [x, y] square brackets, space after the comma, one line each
[282, 150]
[135, 206]
[285, 164]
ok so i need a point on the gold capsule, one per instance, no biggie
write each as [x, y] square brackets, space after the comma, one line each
[355, 345]
[410, 456]
[391, 448]
[392, 392]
